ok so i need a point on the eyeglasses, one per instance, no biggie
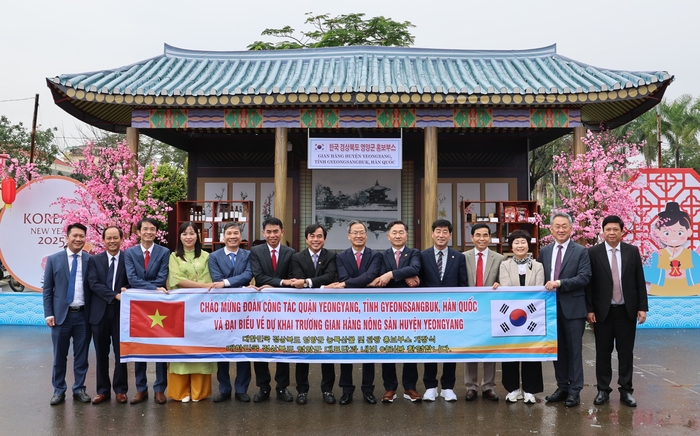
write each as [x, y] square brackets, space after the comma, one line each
[358, 233]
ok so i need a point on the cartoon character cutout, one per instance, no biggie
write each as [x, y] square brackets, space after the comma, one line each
[675, 269]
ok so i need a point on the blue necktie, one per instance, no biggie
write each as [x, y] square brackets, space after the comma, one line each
[233, 261]
[110, 274]
[71, 282]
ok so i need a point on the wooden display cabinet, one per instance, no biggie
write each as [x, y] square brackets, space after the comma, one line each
[210, 216]
[503, 217]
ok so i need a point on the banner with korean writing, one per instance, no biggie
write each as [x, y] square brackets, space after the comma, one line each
[354, 153]
[361, 325]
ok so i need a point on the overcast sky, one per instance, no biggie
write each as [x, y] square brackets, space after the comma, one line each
[40, 38]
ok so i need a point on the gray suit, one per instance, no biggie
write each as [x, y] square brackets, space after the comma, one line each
[491, 271]
[575, 274]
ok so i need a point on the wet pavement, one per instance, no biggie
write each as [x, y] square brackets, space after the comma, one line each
[667, 389]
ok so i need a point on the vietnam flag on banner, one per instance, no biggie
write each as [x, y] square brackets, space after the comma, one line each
[157, 319]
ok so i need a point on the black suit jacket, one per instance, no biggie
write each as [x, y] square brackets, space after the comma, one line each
[575, 274]
[101, 285]
[325, 272]
[351, 275]
[455, 270]
[409, 266]
[599, 290]
[261, 264]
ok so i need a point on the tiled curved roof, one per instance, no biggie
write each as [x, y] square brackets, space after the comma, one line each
[384, 70]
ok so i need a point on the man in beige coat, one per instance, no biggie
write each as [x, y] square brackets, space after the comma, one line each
[483, 266]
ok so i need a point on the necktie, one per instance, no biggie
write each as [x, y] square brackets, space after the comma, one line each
[314, 258]
[71, 281]
[110, 273]
[233, 260]
[358, 259]
[480, 270]
[146, 259]
[274, 261]
[557, 263]
[398, 257]
[617, 289]
[439, 263]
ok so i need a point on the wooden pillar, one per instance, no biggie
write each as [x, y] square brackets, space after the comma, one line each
[281, 173]
[579, 146]
[430, 186]
[132, 140]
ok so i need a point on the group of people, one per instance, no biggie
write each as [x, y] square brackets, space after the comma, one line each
[604, 285]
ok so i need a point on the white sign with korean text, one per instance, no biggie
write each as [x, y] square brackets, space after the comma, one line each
[354, 153]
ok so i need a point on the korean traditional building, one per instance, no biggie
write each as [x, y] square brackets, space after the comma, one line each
[467, 119]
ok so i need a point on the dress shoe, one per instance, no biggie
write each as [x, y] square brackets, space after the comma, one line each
[430, 394]
[489, 394]
[220, 398]
[140, 396]
[100, 398]
[261, 396]
[558, 395]
[284, 395]
[345, 399]
[389, 397]
[242, 397]
[627, 399]
[122, 399]
[471, 395]
[448, 395]
[160, 398]
[301, 398]
[58, 399]
[369, 398]
[572, 400]
[601, 398]
[328, 398]
[411, 395]
[82, 397]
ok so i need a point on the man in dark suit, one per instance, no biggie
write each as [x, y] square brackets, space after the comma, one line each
[441, 266]
[616, 299]
[357, 267]
[314, 268]
[400, 268]
[568, 269]
[270, 264]
[106, 277]
[231, 265]
[66, 308]
[147, 268]
[483, 268]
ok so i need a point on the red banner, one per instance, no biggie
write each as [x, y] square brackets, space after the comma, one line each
[157, 319]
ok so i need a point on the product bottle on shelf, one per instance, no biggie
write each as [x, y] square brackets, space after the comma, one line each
[191, 214]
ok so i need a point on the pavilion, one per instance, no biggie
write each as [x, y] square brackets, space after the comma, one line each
[466, 118]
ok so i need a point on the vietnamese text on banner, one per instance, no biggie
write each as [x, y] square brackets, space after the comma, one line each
[282, 325]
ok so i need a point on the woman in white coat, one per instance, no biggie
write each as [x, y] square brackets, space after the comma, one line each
[521, 270]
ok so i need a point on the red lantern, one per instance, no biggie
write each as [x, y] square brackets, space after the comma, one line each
[9, 191]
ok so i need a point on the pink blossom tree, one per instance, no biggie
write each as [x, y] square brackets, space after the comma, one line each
[115, 193]
[598, 183]
[21, 172]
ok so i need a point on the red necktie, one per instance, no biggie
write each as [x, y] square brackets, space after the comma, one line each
[358, 258]
[398, 258]
[146, 259]
[274, 261]
[480, 270]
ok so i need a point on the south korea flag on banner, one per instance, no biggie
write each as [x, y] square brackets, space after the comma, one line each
[518, 318]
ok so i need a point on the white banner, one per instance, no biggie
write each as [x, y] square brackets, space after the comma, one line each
[32, 229]
[354, 153]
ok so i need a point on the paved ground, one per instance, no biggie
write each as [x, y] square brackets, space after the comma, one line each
[667, 381]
